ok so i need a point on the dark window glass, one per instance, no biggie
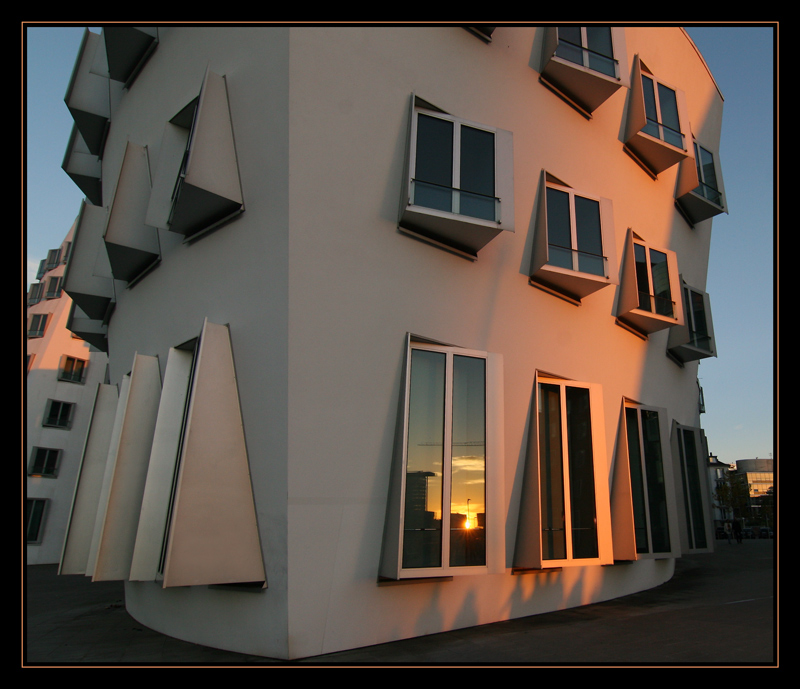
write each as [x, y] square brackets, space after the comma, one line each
[558, 228]
[590, 240]
[569, 44]
[669, 116]
[477, 173]
[551, 486]
[642, 277]
[601, 51]
[434, 163]
[637, 480]
[656, 490]
[581, 474]
[661, 288]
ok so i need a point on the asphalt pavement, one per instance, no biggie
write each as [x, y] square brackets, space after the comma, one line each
[719, 609]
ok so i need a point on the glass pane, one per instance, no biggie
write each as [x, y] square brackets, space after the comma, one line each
[477, 173]
[581, 474]
[699, 329]
[669, 116]
[650, 110]
[642, 277]
[637, 481]
[707, 174]
[601, 55]
[694, 500]
[551, 481]
[433, 171]
[661, 288]
[656, 490]
[559, 234]
[590, 239]
[468, 482]
[422, 519]
[569, 44]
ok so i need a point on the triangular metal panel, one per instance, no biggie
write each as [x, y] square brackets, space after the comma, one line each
[214, 536]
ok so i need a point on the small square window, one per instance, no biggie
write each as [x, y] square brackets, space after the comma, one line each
[574, 252]
[54, 288]
[581, 64]
[693, 340]
[44, 462]
[37, 325]
[58, 414]
[72, 370]
[36, 293]
[657, 123]
[650, 296]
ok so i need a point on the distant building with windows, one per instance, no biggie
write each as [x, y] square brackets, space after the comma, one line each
[62, 374]
[403, 323]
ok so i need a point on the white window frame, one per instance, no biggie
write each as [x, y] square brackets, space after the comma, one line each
[391, 567]
[658, 123]
[451, 229]
[585, 51]
[602, 519]
[645, 488]
[456, 190]
[694, 512]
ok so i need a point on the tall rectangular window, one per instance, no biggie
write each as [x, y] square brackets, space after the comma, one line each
[589, 46]
[648, 490]
[37, 325]
[661, 111]
[34, 519]
[444, 515]
[694, 304]
[566, 464]
[653, 280]
[574, 232]
[691, 465]
[706, 173]
[454, 170]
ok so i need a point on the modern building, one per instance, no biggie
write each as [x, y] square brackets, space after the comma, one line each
[403, 323]
[61, 377]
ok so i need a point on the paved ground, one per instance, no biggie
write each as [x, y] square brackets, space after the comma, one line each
[718, 609]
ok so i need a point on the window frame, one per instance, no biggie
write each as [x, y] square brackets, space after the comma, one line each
[586, 51]
[630, 312]
[392, 567]
[634, 486]
[66, 369]
[63, 419]
[452, 229]
[36, 293]
[695, 517]
[37, 325]
[458, 125]
[54, 287]
[50, 464]
[35, 513]
[571, 283]
[530, 552]
[652, 151]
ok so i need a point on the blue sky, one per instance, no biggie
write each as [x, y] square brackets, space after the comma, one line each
[739, 418]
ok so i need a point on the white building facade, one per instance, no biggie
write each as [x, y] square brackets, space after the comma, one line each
[403, 323]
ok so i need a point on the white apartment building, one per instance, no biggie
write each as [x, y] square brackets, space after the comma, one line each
[61, 377]
[403, 323]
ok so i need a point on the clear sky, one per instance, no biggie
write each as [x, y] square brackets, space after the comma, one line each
[739, 418]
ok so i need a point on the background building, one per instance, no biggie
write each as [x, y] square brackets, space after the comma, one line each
[403, 324]
[62, 374]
